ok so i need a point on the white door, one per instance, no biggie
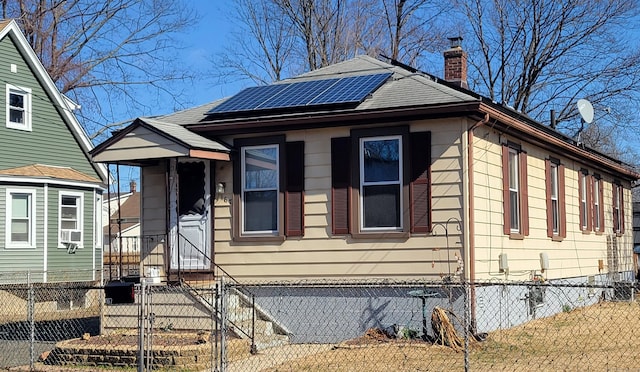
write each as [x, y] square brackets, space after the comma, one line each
[193, 251]
[193, 248]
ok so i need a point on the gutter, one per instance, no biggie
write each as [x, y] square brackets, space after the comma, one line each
[549, 142]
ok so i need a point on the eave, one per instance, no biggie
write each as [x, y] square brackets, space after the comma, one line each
[501, 119]
[330, 119]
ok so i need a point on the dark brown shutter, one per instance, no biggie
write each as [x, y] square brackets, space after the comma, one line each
[547, 177]
[294, 195]
[506, 205]
[419, 188]
[340, 176]
[524, 194]
[561, 201]
[601, 206]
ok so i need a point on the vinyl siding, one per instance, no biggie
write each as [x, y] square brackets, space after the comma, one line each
[58, 259]
[319, 254]
[21, 260]
[50, 142]
[576, 255]
[153, 214]
[142, 142]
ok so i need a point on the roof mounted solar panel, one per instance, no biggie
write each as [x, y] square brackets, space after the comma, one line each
[352, 89]
[248, 99]
[310, 93]
[298, 94]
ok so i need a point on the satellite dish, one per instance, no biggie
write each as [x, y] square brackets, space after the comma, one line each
[586, 110]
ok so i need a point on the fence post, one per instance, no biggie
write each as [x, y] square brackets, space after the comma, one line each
[32, 323]
[223, 328]
[212, 333]
[465, 324]
[141, 324]
[253, 350]
[216, 334]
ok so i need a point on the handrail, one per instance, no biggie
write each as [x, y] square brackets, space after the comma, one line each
[194, 290]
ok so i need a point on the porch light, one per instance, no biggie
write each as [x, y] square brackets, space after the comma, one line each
[220, 189]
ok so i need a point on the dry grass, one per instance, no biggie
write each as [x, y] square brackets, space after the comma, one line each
[600, 337]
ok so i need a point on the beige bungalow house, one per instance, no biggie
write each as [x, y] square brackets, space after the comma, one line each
[367, 169]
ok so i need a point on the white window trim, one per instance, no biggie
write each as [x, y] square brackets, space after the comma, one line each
[32, 219]
[515, 209]
[555, 202]
[618, 209]
[597, 184]
[243, 190]
[363, 183]
[80, 196]
[583, 200]
[26, 126]
[97, 221]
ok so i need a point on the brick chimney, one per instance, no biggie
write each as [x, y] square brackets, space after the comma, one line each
[132, 186]
[455, 63]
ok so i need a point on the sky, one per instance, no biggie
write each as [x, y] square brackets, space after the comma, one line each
[206, 37]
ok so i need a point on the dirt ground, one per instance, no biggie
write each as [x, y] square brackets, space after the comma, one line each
[159, 339]
[599, 337]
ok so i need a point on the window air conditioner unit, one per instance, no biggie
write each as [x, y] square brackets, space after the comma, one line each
[71, 235]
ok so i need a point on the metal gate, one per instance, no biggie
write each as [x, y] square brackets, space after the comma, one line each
[179, 328]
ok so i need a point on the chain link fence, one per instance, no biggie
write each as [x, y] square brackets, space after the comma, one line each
[36, 315]
[436, 326]
[377, 325]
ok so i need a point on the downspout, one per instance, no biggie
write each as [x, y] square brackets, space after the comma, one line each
[471, 229]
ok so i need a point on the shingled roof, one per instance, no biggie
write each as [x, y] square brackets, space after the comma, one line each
[47, 171]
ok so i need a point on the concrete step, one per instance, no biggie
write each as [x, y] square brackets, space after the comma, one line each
[182, 311]
[263, 327]
[240, 314]
[172, 310]
[266, 342]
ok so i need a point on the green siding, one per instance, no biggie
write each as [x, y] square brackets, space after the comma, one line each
[50, 142]
[22, 259]
[59, 259]
[60, 264]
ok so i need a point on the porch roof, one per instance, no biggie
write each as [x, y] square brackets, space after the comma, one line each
[147, 139]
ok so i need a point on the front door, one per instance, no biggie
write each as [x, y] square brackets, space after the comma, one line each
[193, 251]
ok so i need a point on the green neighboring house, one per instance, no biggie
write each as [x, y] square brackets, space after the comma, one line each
[50, 191]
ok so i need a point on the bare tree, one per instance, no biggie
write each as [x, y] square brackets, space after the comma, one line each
[104, 53]
[538, 55]
[262, 49]
[412, 27]
[321, 26]
[308, 34]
